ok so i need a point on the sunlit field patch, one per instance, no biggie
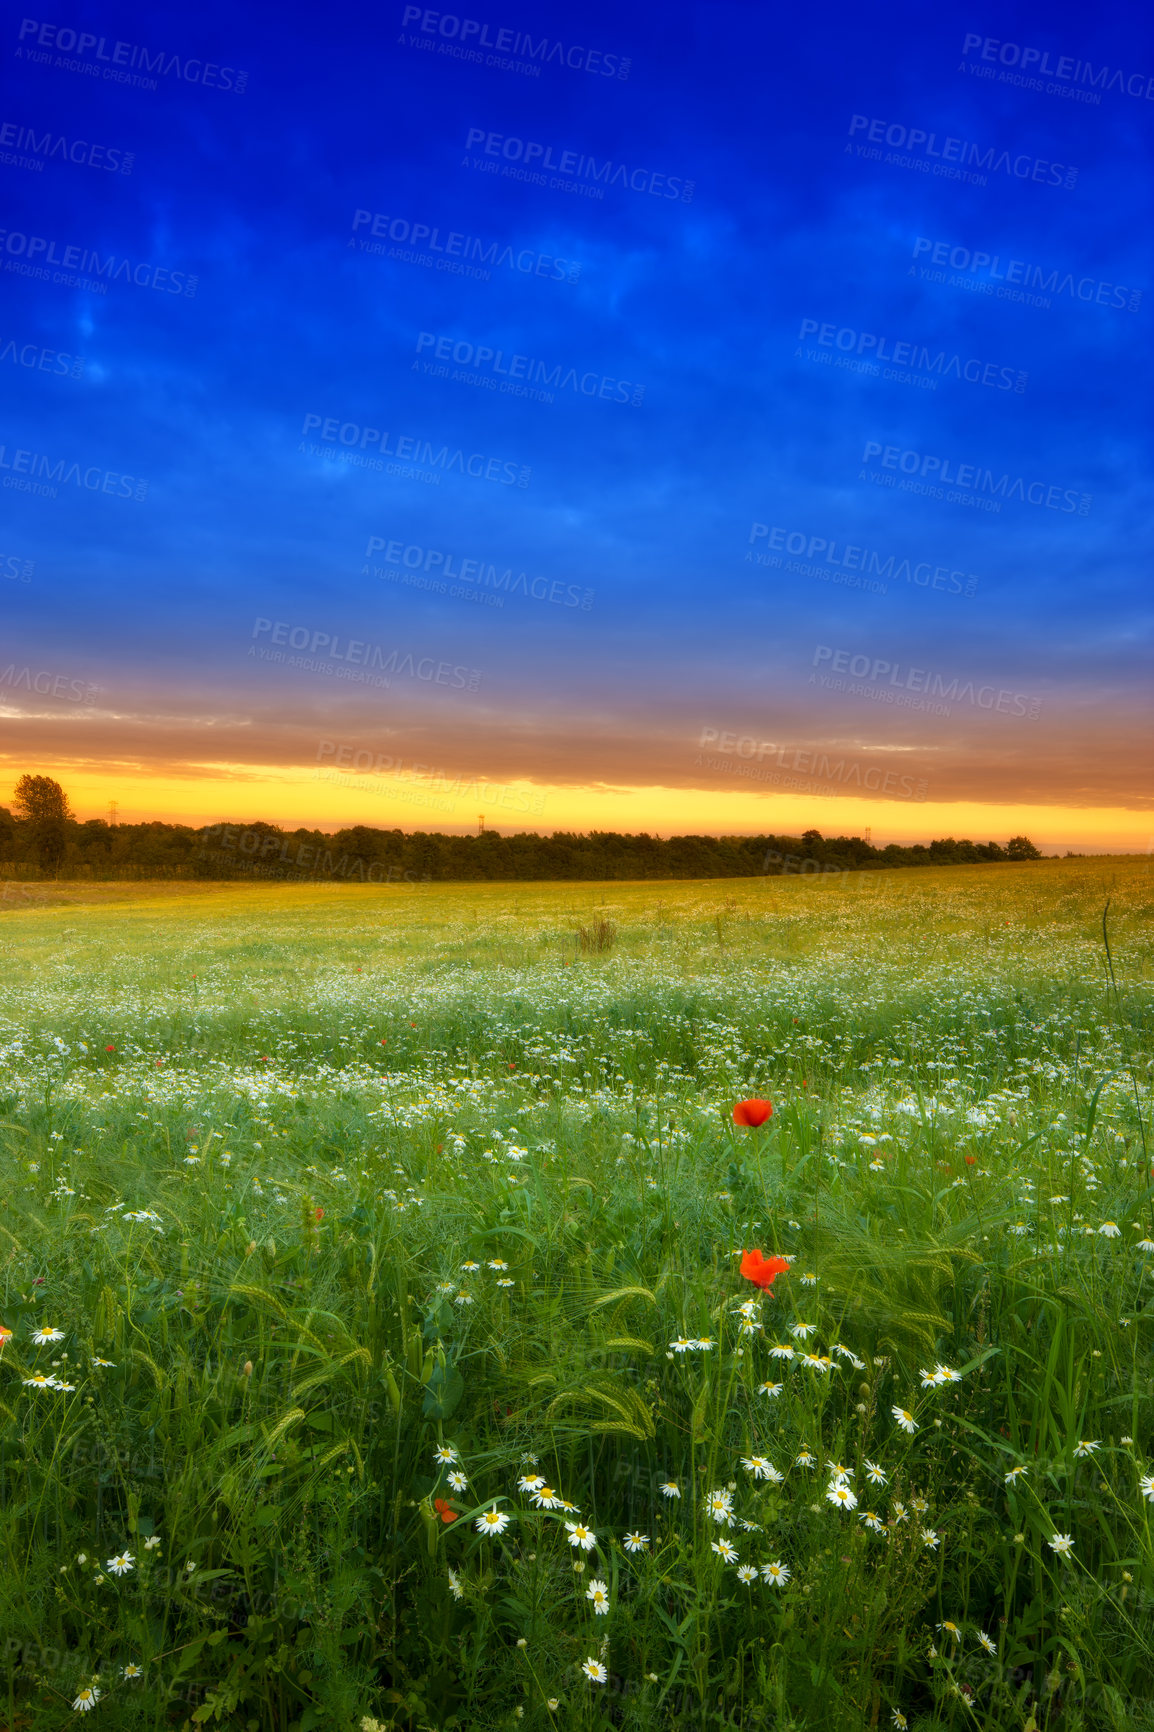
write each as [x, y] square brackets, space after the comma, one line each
[411, 1317]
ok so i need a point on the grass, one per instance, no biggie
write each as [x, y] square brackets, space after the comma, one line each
[336, 1179]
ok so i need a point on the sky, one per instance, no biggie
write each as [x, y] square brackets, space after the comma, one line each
[713, 417]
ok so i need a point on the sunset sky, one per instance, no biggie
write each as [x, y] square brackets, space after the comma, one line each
[712, 417]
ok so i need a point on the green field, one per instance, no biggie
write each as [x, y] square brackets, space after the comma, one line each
[304, 1186]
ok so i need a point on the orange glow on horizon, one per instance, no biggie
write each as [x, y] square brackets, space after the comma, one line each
[305, 798]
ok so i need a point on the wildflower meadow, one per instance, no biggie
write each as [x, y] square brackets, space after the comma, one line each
[571, 1306]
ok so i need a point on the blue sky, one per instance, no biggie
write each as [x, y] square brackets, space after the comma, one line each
[817, 338]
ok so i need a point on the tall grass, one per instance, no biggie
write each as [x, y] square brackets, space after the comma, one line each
[332, 1184]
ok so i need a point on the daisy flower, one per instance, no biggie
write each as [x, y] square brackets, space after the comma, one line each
[816, 1361]
[1146, 1487]
[494, 1521]
[121, 1565]
[782, 1350]
[987, 1644]
[39, 1380]
[670, 1488]
[841, 1496]
[746, 1573]
[872, 1521]
[458, 1481]
[131, 1671]
[105, 1364]
[899, 1720]
[769, 1388]
[802, 1331]
[775, 1574]
[682, 1344]
[804, 1459]
[930, 1539]
[446, 1453]
[1015, 1473]
[809, 1279]
[530, 1482]
[547, 1498]
[931, 1379]
[455, 1587]
[636, 1542]
[594, 1671]
[724, 1550]
[837, 1472]
[1110, 1230]
[506, 1282]
[470, 1266]
[598, 1592]
[1085, 1448]
[86, 1700]
[875, 1474]
[580, 1535]
[1063, 1544]
[759, 1467]
[901, 1514]
[498, 1264]
[720, 1507]
[45, 1334]
[946, 1628]
[705, 1344]
[905, 1419]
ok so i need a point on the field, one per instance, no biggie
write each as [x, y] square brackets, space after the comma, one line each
[380, 1350]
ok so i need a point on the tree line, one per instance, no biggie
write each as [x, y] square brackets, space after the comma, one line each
[40, 836]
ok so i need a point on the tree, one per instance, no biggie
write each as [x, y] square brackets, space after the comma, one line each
[43, 805]
[1021, 848]
[39, 797]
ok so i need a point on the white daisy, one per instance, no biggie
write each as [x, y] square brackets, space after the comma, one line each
[775, 1574]
[635, 1542]
[494, 1521]
[598, 1592]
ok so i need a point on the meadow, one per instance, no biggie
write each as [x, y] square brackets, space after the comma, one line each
[377, 1351]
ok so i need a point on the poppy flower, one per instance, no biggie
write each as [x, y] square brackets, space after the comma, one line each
[443, 1510]
[110, 1049]
[752, 1112]
[970, 1159]
[318, 1214]
[762, 1271]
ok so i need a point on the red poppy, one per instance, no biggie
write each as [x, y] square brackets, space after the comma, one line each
[446, 1514]
[970, 1159]
[512, 1067]
[318, 1214]
[752, 1112]
[110, 1049]
[762, 1271]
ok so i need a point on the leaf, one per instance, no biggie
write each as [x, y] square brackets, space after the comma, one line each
[443, 1392]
